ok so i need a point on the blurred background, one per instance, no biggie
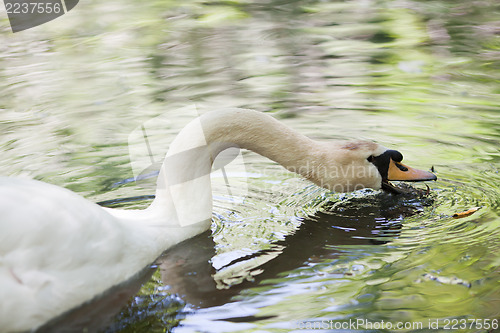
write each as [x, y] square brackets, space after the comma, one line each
[421, 77]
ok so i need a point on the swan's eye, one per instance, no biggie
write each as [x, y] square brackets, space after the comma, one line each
[370, 158]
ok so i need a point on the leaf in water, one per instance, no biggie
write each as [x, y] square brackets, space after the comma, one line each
[465, 213]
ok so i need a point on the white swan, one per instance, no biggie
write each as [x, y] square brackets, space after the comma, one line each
[58, 250]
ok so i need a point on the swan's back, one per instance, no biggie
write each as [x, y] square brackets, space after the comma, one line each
[56, 248]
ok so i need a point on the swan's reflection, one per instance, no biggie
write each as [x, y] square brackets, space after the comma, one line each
[188, 271]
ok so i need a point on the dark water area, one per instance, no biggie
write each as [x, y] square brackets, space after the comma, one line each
[78, 93]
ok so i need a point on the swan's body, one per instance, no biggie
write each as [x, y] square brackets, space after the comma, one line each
[58, 250]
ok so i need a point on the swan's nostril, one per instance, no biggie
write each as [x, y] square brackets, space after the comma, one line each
[401, 167]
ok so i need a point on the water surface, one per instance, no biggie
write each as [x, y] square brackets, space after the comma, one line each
[418, 76]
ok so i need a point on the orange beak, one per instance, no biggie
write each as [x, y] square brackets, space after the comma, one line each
[399, 171]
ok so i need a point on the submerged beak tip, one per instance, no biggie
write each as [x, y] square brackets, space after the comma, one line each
[431, 176]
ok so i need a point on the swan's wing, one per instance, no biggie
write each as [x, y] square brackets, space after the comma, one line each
[56, 250]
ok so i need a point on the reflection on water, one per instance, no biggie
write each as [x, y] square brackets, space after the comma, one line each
[375, 218]
[417, 76]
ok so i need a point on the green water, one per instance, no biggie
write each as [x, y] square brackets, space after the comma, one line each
[418, 76]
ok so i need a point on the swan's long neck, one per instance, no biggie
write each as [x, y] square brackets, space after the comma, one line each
[184, 191]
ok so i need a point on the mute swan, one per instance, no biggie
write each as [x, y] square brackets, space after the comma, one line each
[59, 250]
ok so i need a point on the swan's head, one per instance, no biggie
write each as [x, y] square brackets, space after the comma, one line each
[353, 165]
